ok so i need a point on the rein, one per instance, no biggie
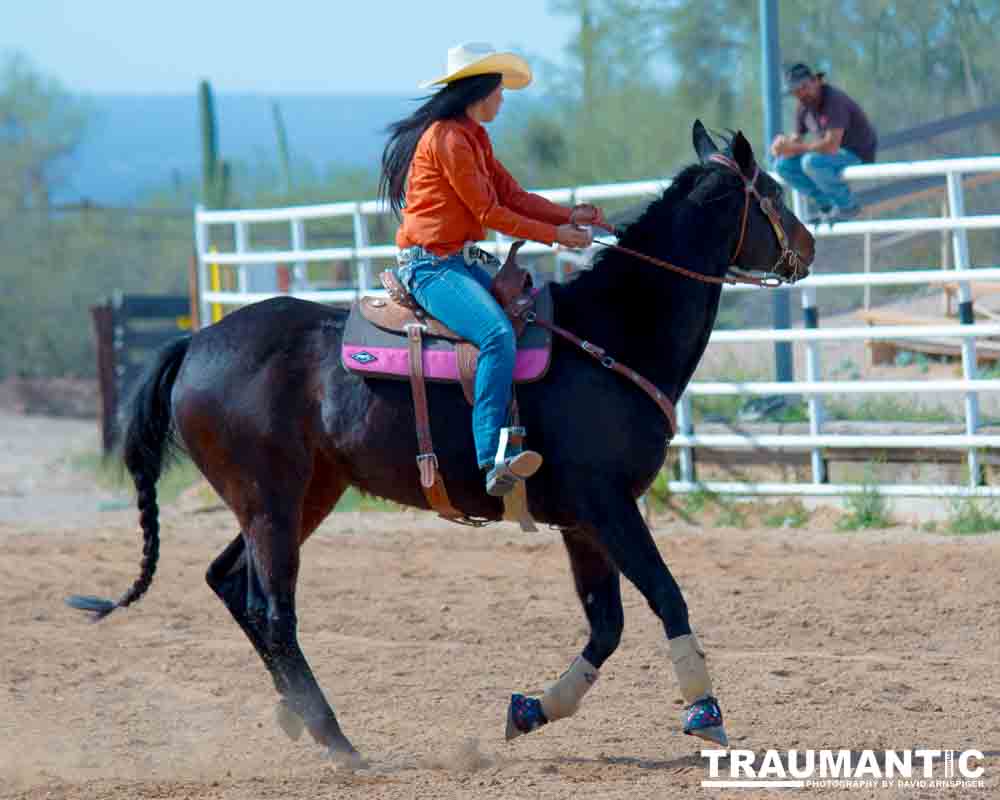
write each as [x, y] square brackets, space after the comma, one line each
[771, 281]
[600, 354]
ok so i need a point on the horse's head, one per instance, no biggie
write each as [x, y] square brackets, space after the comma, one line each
[770, 237]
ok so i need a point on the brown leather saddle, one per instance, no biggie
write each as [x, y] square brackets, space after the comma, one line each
[396, 338]
[375, 335]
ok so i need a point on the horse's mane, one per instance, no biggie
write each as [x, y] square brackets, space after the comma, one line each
[642, 233]
[651, 219]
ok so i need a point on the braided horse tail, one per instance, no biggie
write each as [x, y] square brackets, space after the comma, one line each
[148, 444]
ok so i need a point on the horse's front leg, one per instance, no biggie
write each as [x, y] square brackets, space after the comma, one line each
[630, 546]
[598, 586]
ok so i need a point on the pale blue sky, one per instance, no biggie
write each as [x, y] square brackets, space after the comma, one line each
[249, 46]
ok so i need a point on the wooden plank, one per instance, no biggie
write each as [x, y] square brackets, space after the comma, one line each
[928, 130]
[892, 203]
[103, 317]
[978, 288]
[889, 317]
[884, 351]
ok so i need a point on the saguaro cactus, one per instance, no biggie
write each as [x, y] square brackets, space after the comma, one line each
[215, 173]
[284, 157]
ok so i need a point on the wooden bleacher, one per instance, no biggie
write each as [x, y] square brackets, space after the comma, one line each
[884, 351]
[979, 290]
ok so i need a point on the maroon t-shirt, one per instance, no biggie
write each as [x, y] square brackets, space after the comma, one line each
[836, 110]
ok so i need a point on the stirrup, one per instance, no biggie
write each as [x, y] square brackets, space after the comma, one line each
[503, 477]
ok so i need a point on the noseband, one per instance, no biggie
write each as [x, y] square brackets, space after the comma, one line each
[788, 255]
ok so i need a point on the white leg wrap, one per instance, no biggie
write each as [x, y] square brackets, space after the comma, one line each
[689, 664]
[563, 697]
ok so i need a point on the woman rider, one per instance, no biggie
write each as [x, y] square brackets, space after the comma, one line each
[439, 173]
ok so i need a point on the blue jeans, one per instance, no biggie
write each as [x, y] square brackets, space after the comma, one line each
[458, 294]
[817, 175]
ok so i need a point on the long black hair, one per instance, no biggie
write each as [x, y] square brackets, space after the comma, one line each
[448, 102]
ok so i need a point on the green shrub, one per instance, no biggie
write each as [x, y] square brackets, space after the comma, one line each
[791, 514]
[889, 409]
[867, 508]
[697, 501]
[658, 496]
[970, 516]
[730, 516]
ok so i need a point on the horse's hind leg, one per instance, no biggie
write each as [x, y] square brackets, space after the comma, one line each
[623, 532]
[273, 539]
[232, 579]
[255, 576]
[598, 585]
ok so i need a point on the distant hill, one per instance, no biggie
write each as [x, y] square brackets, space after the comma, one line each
[138, 142]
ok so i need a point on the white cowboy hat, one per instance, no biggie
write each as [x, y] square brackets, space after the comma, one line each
[479, 58]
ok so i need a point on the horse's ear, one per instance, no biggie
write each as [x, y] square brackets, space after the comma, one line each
[742, 152]
[703, 144]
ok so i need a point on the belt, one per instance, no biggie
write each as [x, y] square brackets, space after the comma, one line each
[471, 252]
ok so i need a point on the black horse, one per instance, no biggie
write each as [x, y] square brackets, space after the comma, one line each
[261, 403]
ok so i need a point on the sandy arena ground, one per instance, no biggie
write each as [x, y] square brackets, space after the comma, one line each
[419, 631]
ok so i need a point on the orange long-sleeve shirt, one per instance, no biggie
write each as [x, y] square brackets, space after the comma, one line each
[456, 189]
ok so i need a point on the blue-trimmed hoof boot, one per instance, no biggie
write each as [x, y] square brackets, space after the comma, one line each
[524, 715]
[703, 718]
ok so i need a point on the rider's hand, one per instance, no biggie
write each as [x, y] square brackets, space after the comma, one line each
[779, 144]
[587, 214]
[571, 236]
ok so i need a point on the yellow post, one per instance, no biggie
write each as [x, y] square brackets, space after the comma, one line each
[215, 281]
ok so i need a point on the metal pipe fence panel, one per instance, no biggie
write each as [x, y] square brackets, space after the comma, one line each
[364, 256]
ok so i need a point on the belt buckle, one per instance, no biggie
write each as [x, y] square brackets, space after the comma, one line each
[473, 253]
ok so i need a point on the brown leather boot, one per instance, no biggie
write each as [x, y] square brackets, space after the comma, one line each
[502, 478]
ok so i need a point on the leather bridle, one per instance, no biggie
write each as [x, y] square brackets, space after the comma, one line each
[788, 254]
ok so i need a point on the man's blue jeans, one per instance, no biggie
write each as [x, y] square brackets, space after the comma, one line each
[458, 294]
[817, 175]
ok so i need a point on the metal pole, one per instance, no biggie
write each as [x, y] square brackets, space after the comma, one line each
[960, 244]
[868, 270]
[771, 74]
[242, 246]
[201, 248]
[363, 265]
[300, 271]
[817, 413]
[685, 424]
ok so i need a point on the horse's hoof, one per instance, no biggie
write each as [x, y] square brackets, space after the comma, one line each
[348, 760]
[290, 722]
[703, 718]
[524, 715]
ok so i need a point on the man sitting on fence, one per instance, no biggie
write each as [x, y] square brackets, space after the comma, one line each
[840, 136]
